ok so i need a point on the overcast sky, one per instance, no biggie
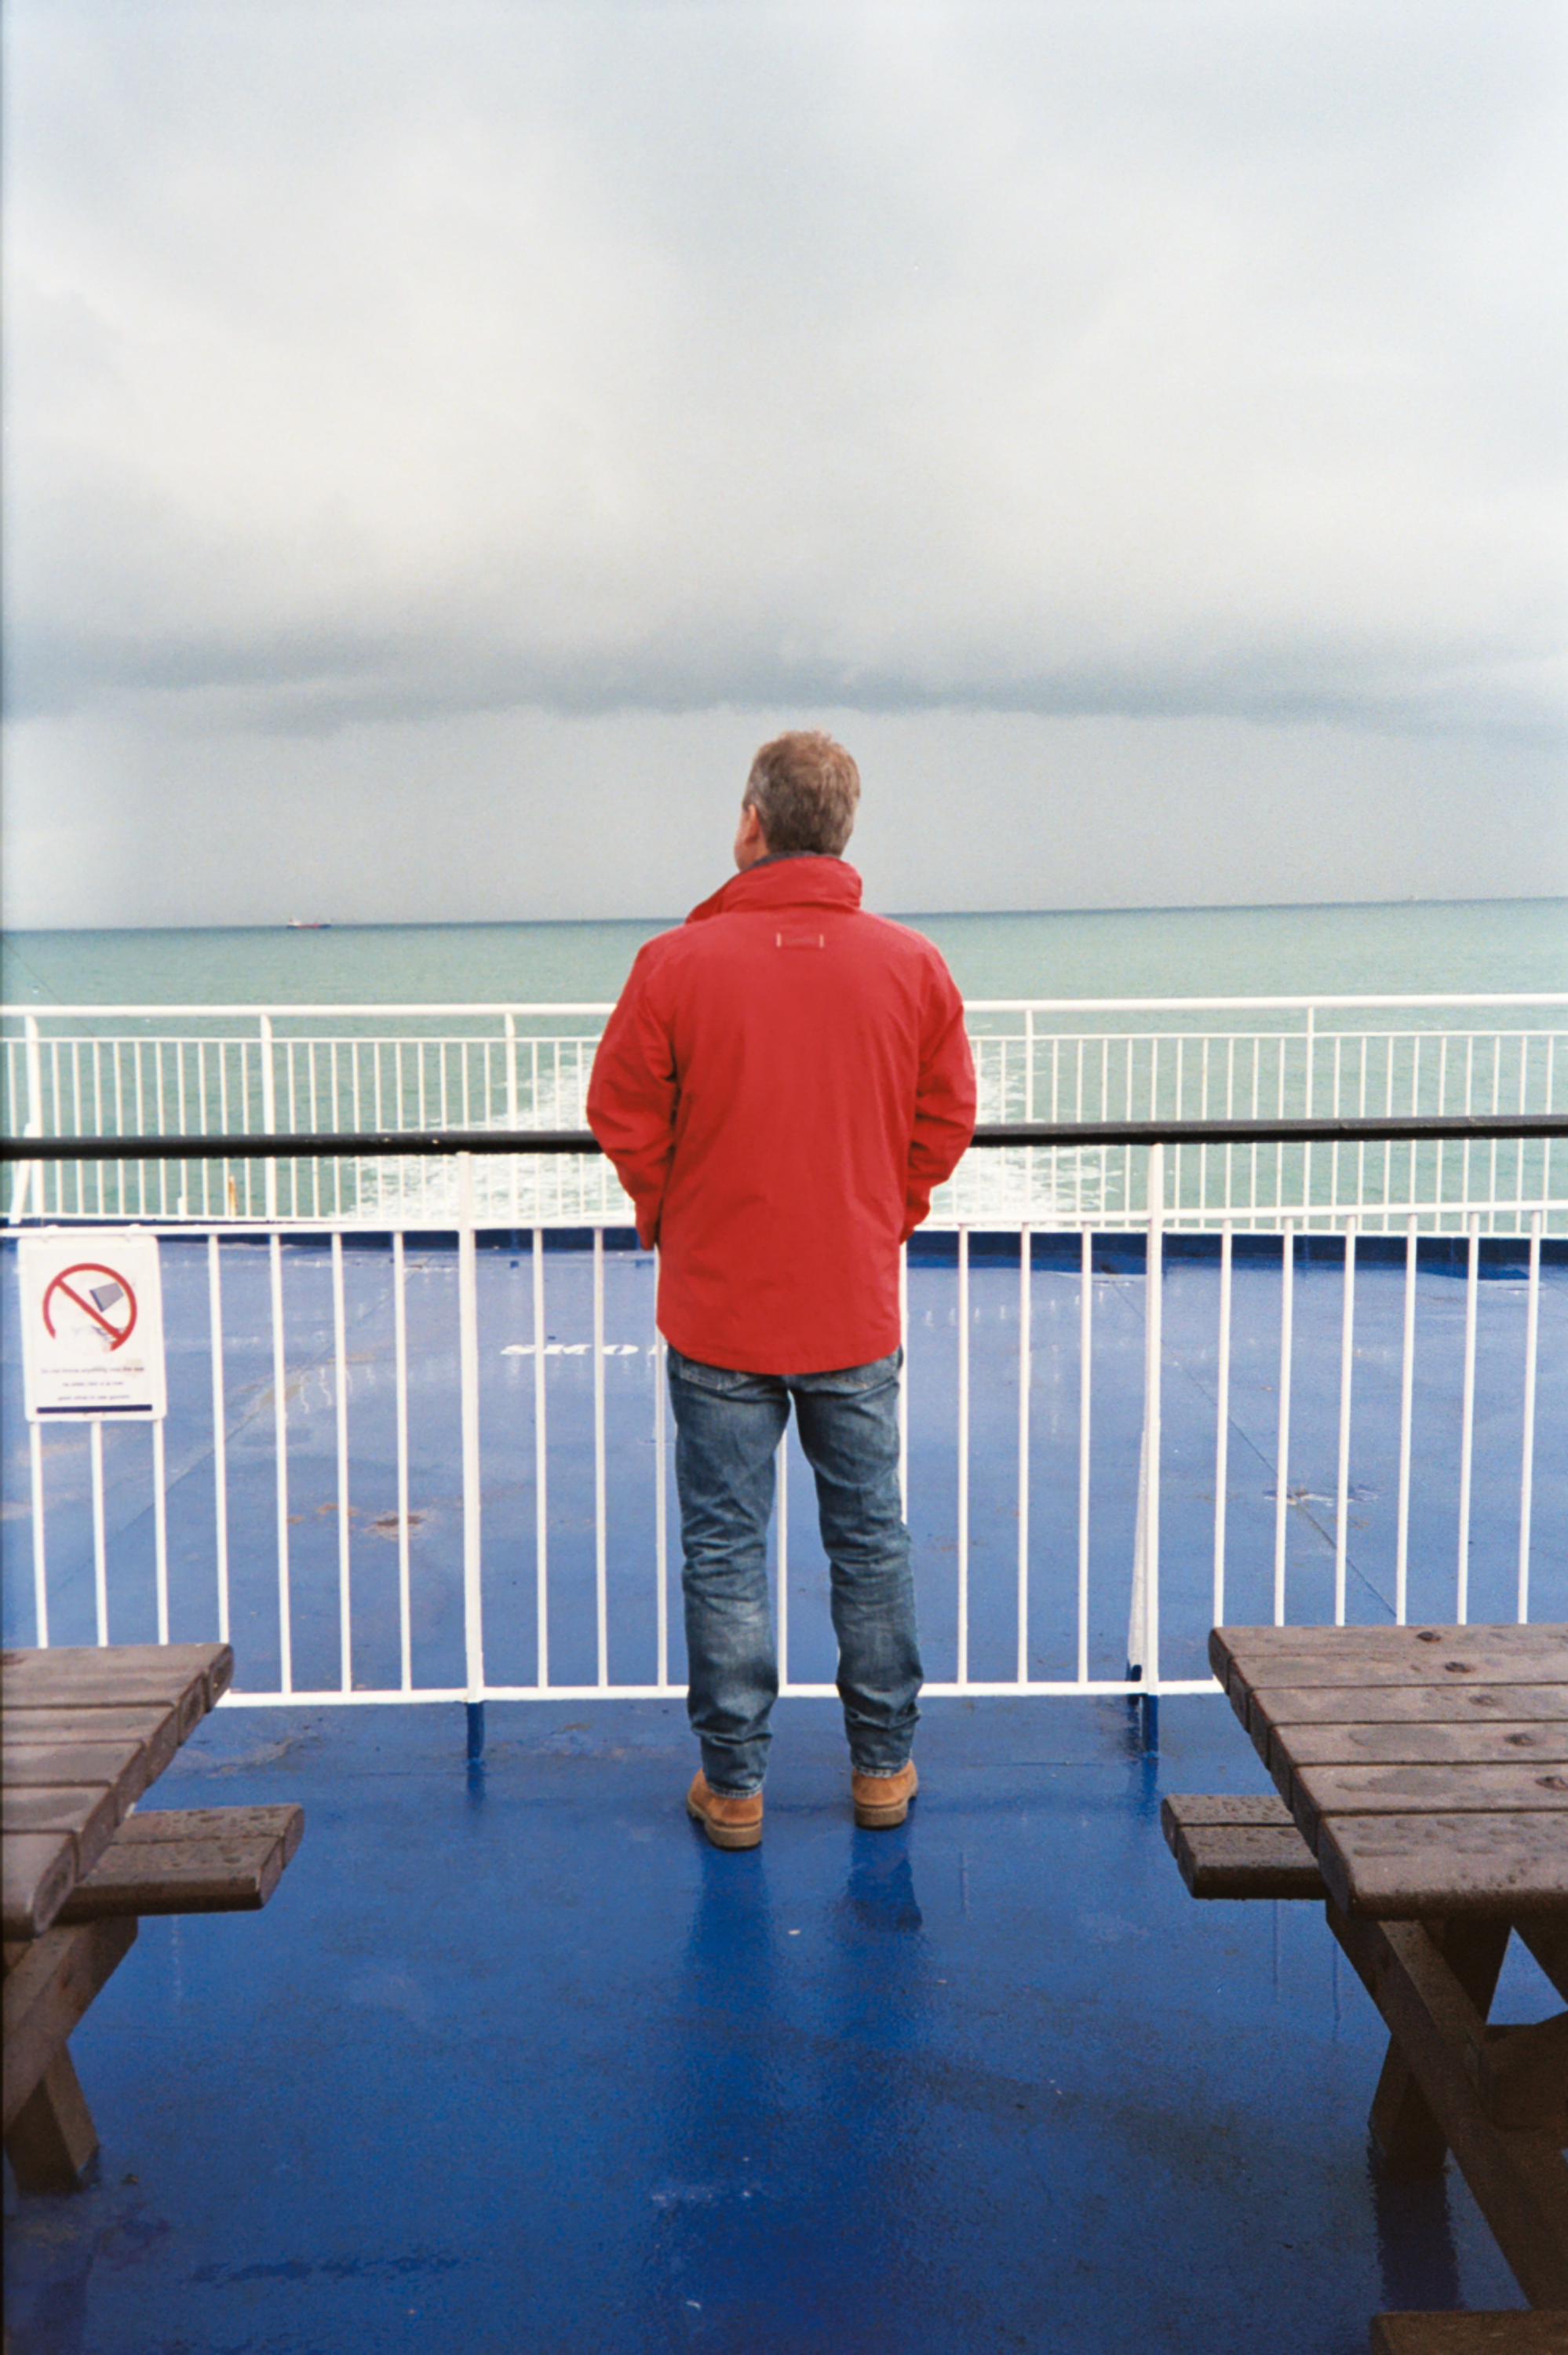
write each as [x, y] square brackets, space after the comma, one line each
[442, 442]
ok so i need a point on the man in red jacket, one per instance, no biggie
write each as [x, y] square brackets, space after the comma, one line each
[781, 1084]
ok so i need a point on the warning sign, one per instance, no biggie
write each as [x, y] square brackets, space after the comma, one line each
[92, 1327]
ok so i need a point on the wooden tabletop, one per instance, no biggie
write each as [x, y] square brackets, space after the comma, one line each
[1426, 1767]
[84, 1733]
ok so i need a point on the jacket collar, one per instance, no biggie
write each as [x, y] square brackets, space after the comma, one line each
[813, 882]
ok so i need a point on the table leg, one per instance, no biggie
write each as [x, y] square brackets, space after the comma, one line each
[52, 2141]
[1520, 2179]
[49, 1983]
[1408, 2139]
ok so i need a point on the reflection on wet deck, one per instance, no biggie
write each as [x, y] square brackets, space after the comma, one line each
[515, 2060]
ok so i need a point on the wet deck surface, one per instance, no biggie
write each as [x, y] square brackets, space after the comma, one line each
[518, 2061]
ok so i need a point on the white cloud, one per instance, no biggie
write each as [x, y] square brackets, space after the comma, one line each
[372, 365]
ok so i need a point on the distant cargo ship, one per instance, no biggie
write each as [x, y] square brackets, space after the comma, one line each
[310, 924]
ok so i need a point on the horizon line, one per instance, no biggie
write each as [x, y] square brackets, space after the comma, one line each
[491, 923]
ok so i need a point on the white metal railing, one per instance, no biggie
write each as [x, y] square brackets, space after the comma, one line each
[145, 1070]
[553, 1579]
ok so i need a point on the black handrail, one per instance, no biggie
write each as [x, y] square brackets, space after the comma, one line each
[430, 1143]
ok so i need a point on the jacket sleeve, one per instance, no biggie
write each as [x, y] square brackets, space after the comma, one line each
[944, 1100]
[632, 1096]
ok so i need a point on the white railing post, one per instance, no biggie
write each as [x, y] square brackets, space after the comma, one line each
[1343, 1485]
[400, 1389]
[280, 1440]
[160, 1531]
[1468, 1414]
[219, 1436]
[344, 1526]
[100, 1540]
[1025, 1375]
[600, 1512]
[1222, 1419]
[1406, 1417]
[268, 1115]
[1527, 1468]
[541, 1493]
[1282, 1443]
[963, 1528]
[40, 1576]
[468, 1383]
[660, 1492]
[1086, 1402]
[33, 1125]
[1143, 1626]
[1307, 1111]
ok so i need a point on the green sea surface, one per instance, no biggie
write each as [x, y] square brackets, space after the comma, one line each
[1449, 946]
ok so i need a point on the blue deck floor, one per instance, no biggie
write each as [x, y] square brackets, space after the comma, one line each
[520, 2062]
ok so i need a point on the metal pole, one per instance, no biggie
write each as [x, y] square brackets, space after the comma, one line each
[99, 1549]
[1153, 1357]
[340, 1383]
[280, 1440]
[1282, 1446]
[541, 1500]
[268, 1115]
[1024, 1372]
[1347, 1360]
[1085, 1337]
[33, 1125]
[40, 1581]
[660, 1492]
[219, 1435]
[160, 1531]
[963, 1528]
[1527, 1469]
[400, 1388]
[600, 1533]
[468, 1343]
[1467, 1415]
[1406, 1417]
[1223, 1422]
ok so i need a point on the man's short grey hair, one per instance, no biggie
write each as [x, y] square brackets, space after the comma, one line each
[805, 788]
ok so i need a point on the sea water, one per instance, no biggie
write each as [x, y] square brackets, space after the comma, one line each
[1447, 949]
[1453, 948]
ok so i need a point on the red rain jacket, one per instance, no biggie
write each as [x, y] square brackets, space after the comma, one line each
[781, 1084]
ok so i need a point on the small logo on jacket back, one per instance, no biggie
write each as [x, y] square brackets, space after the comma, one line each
[799, 940]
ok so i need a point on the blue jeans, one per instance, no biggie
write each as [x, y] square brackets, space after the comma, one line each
[727, 1428]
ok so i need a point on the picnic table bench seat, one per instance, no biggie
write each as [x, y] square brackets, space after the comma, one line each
[1226, 1845]
[83, 1734]
[188, 1861]
[185, 1861]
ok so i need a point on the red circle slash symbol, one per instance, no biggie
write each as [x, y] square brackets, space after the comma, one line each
[102, 1297]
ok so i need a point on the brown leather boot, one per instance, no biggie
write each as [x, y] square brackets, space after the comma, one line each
[729, 1822]
[883, 1800]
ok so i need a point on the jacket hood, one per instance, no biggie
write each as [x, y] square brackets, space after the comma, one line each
[807, 882]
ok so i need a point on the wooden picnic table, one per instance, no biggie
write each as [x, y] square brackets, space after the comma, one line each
[85, 1733]
[1426, 1771]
